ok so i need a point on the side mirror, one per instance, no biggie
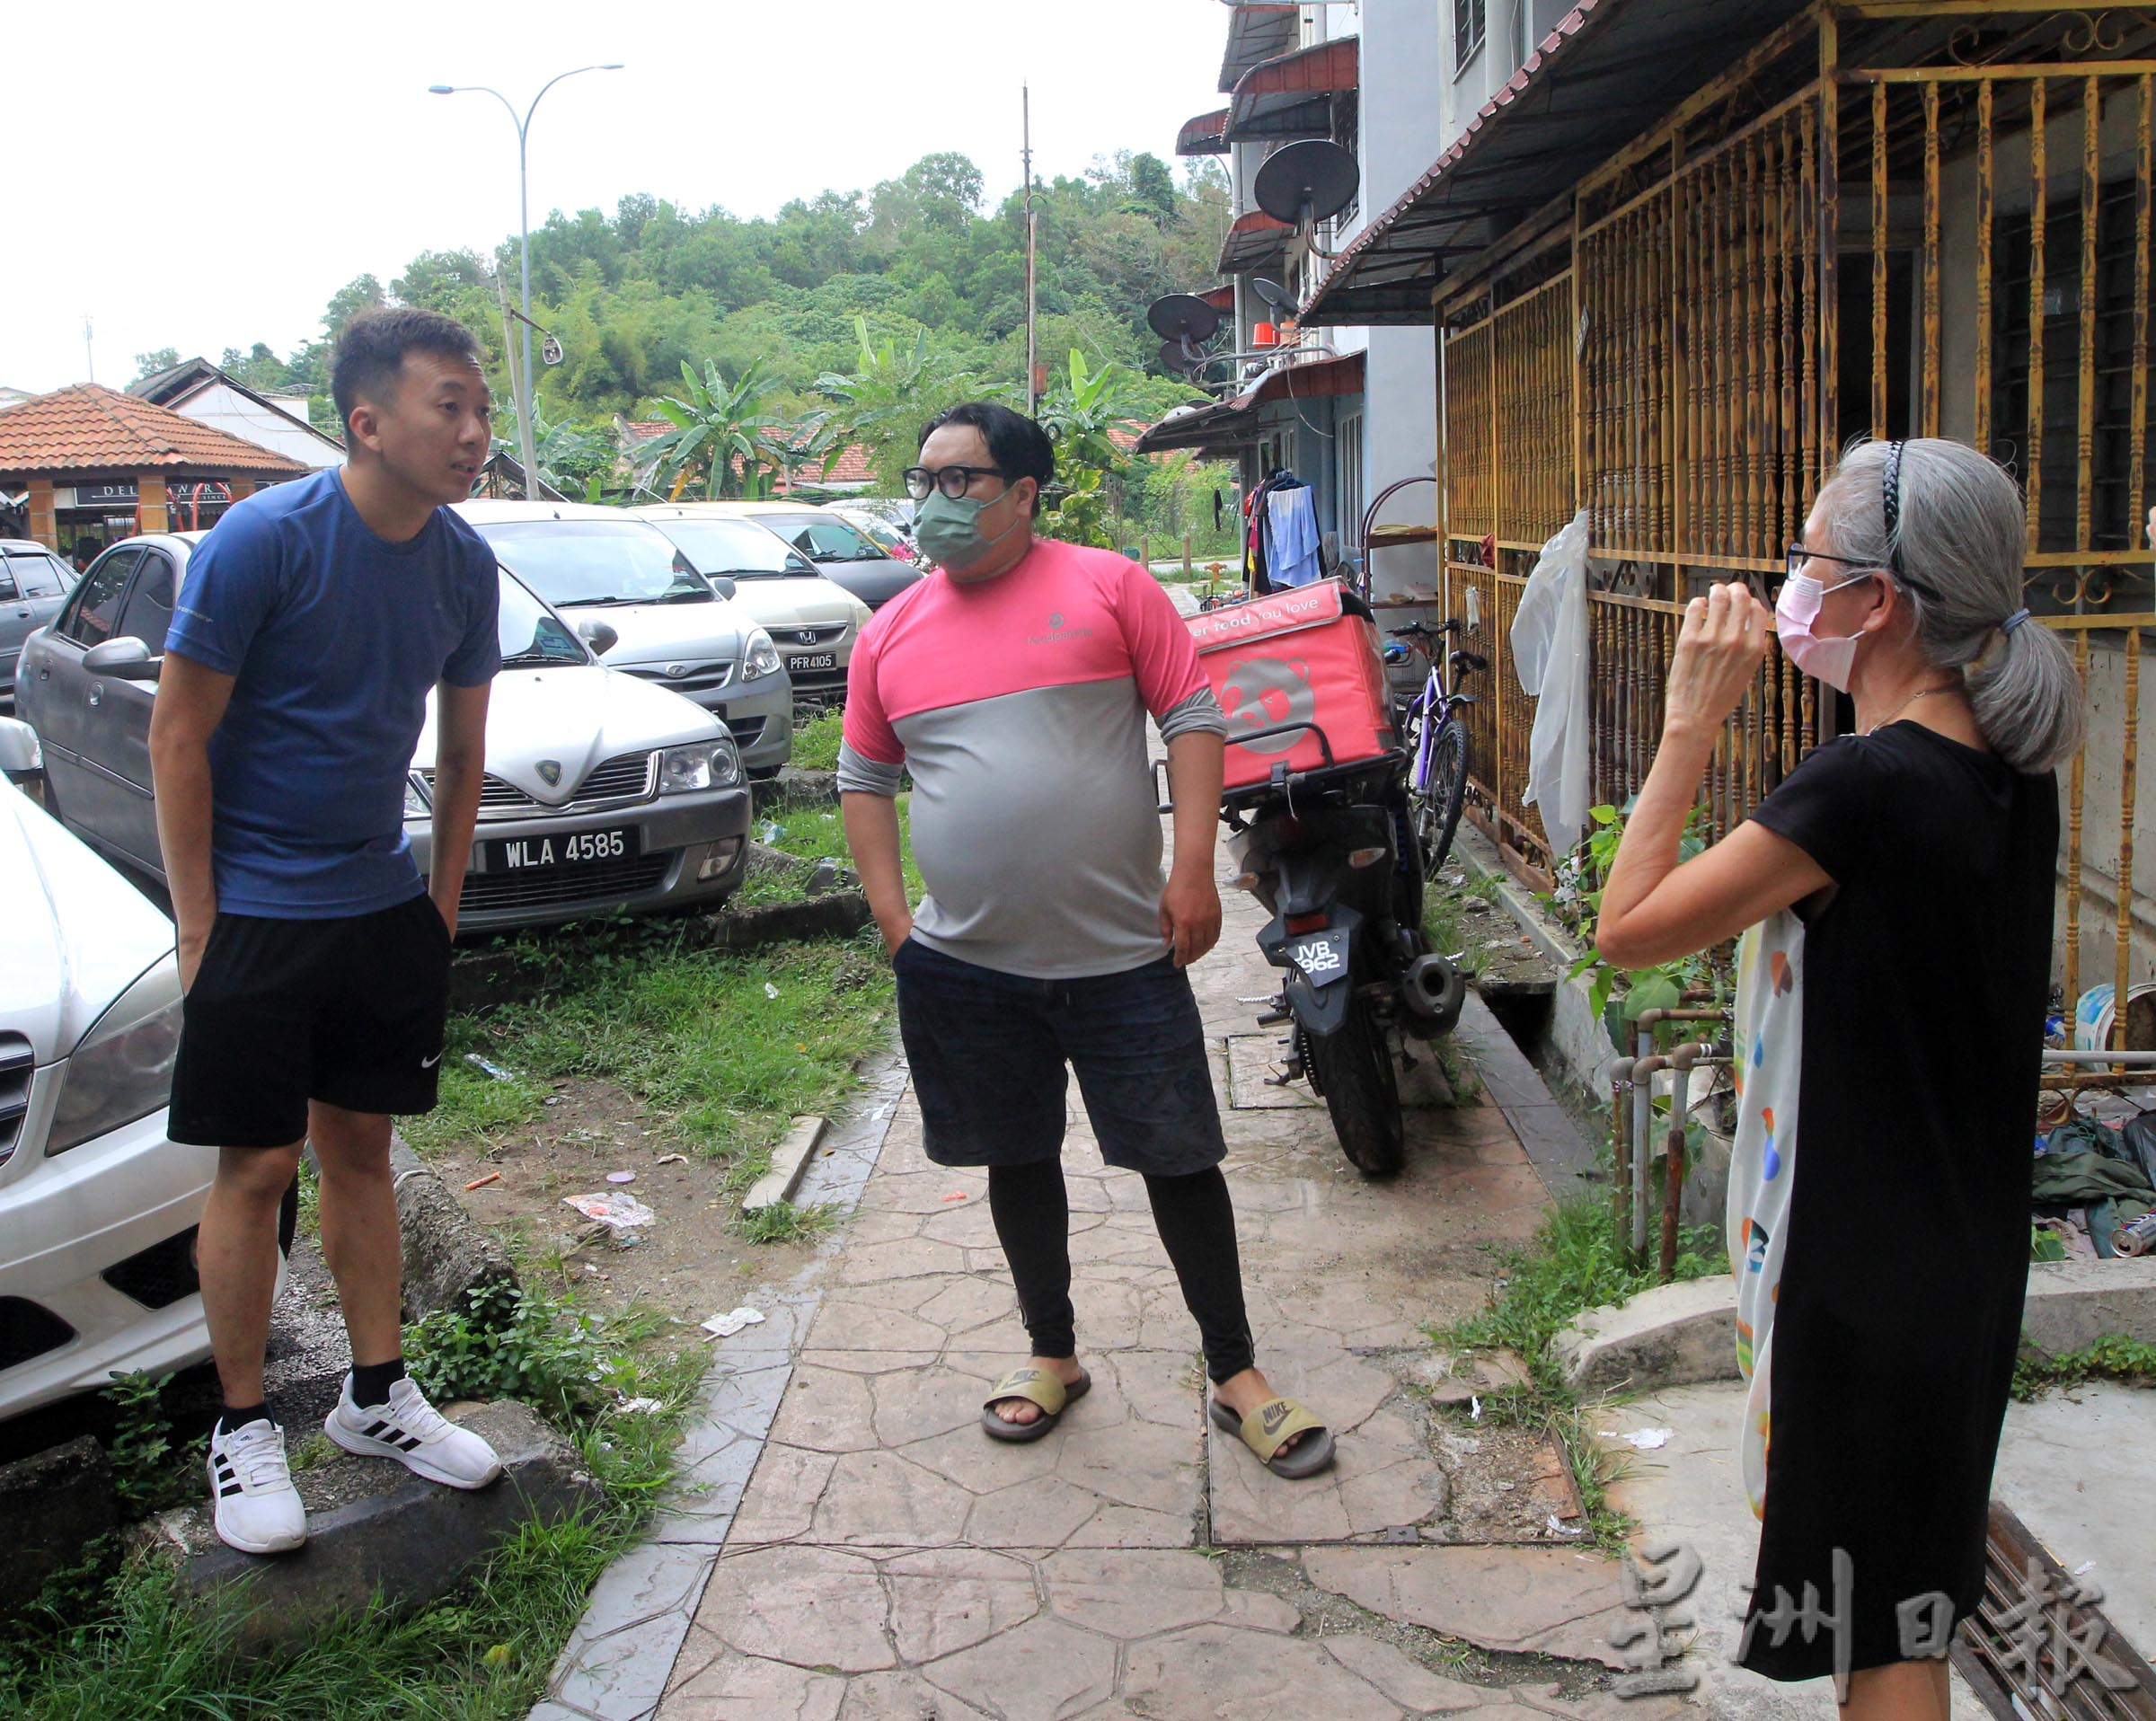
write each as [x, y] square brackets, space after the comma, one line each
[596, 634]
[720, 584]
[123, 659]
[18, 754]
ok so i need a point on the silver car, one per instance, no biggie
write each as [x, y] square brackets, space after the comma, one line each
[813, 621]
[602, 792]
[34, 583]
[671, 625]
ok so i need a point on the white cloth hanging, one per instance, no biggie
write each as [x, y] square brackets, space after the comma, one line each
[1550, 654]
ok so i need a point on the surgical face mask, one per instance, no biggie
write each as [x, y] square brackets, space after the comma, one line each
[1830, 660]
[948, 529]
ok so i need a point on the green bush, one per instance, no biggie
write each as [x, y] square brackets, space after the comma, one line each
[509, 1343]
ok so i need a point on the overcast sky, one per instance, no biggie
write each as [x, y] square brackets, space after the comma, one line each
[207, 177]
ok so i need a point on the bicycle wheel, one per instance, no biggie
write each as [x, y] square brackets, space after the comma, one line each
[1438, 802]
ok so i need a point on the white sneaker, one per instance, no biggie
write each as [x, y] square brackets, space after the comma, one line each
[257, 1508]
[416, 1434]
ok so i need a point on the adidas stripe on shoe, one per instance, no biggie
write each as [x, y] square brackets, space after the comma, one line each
[255, 1505]
[412, 1431]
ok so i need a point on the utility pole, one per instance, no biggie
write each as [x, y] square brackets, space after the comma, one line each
[523, 239]
[1032, 355]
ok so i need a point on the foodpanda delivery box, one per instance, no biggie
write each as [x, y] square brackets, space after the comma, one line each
[1310, 655]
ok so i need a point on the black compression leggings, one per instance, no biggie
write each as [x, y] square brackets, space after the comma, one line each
[1197, 1224]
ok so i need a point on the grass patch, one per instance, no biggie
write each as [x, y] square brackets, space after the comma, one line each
[1573, 1265]
[811, 834]
[721, 1048]
[815, 741]
[2111, 1358]
[783, 1222]
[113, 1640]
[1441, 911]
[141, 1650]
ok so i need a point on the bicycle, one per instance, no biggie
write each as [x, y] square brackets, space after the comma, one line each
[1433, 731]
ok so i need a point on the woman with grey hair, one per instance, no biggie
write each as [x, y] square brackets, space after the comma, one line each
[1891, 986]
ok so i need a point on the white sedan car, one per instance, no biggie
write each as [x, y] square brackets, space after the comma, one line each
[97, 1208]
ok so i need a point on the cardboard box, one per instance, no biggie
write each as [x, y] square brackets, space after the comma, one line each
[1307, 655]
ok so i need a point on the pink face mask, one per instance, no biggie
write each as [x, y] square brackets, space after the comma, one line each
[1795, 611]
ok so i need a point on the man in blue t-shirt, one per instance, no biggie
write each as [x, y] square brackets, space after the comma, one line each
[311, 627]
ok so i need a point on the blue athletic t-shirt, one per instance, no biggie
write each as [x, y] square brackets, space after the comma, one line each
[334, 637]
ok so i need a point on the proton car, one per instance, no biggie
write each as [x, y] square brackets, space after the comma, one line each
[602, 792]
[812, 620]
[671, 624]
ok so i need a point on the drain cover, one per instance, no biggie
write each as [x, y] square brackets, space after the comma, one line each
[2039, 1648]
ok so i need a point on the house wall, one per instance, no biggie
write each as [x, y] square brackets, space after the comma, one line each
[1404, 130]
[232, 411]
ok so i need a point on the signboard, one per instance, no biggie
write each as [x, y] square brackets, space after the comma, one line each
[105, 495]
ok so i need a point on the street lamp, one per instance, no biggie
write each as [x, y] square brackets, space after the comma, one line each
[524, 224]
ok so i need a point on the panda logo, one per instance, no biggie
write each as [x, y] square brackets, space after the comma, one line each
[1260, 693]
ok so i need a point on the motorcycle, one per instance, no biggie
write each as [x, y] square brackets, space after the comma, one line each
[1331, 852]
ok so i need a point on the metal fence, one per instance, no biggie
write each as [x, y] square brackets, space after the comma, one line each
[1891, 218]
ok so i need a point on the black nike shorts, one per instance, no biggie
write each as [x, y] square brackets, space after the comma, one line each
[348, 1011]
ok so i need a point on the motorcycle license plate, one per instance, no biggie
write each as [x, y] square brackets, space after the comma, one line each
[1323, 956]
[819, 661]
[568, 849]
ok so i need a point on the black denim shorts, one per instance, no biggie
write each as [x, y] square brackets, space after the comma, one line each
[988, 1052]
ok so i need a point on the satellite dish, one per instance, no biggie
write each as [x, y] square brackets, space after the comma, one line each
[1174, 359]
[1273, 293]
[1307, 182]
[1182, 316]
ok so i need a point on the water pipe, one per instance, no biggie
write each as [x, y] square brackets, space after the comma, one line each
[1620, 1150]
[1694, 1054]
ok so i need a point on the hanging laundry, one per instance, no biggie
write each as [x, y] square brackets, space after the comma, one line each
[1292, 524]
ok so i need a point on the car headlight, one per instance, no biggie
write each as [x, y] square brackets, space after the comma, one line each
[709, 764]
[415, 799]
[123, 1068]
[761, 658]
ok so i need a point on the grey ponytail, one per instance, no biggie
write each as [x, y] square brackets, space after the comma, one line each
[1961, 535]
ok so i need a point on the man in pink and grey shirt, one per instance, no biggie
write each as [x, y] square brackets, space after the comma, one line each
[1013, 685]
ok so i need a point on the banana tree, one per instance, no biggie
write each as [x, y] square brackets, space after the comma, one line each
[720, 440]
[883, 403]
[1078, 415]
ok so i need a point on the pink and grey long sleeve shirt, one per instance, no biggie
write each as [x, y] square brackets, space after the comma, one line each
[1019, 706]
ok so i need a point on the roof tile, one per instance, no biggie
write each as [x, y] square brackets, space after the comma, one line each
[91, 428]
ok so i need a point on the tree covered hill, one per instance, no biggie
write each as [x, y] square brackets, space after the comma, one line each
[634, 295]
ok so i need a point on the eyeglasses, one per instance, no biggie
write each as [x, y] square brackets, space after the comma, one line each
[1798, 555]
[954, 481]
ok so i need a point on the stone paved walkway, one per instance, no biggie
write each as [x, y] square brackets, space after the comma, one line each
[877, 1558]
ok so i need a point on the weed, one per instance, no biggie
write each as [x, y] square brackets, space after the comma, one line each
[140, 1448]
[815, 741]
[1573, 1265]
[783, 1222]
[2111, 1358]
[510, 1343]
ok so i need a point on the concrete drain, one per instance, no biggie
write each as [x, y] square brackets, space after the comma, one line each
[2039, 1648]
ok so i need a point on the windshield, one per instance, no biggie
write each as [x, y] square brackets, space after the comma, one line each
[532, 635]
[571, 562]
[879, 532]
[823, 537]
[738, 549]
